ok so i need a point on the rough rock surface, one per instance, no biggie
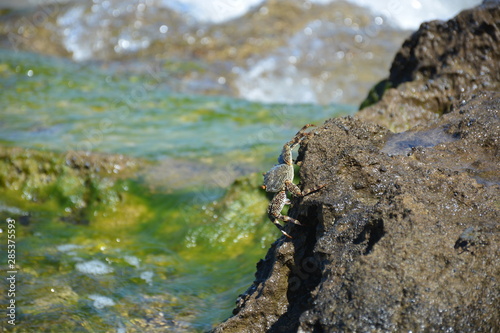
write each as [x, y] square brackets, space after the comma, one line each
[406, 234]
[438, 64]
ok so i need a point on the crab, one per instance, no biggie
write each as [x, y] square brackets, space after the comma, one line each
[279, 180]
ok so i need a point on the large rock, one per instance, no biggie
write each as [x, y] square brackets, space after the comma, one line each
[406, 234]
[404, 237]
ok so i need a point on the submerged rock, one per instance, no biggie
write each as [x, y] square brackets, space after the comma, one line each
[78, 183]
[406, 234]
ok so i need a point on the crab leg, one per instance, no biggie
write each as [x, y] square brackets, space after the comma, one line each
[281, 229]
[295, 190]
[274, 211]
[299, 136]
[286, 152]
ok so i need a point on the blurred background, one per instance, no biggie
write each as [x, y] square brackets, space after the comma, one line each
[124, 125]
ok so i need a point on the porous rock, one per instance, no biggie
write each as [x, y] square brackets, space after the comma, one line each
[405, 236]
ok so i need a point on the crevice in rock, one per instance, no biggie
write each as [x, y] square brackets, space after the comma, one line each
[305, 274]
[376, 234]
[371, 233]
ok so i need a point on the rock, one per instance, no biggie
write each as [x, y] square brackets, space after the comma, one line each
[387, 233]
[406, 234]
[437, 65]
[404, 237]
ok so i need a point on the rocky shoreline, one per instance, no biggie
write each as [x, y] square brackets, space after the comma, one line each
[406, 234]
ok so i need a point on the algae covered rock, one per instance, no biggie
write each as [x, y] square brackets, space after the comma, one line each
[234, 221]
[78, 183]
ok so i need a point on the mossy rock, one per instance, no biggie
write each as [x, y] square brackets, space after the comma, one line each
[375, 94]
[75, 183]
[238, 218]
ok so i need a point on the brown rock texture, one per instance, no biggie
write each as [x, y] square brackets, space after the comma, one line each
[438, 64]
[405, 236]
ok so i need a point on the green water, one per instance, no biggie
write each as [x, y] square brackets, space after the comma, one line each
[174, 263]
[57, 105]
[97, 253]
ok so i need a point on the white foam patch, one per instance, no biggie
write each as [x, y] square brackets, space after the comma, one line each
[132, 260]
[148, 277]
[409, 14]
[270, 81]
[94, 267]
[101, 302]
[68, 247]
[214, 11]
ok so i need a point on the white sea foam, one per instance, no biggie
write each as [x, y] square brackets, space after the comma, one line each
[147, 276]
[214, 11]
[132, 260]
[94, 267]
[101, 301]
[68, 247]
[407, 14]
[269, 82]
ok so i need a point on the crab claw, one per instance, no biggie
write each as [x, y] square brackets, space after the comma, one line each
[263, 187]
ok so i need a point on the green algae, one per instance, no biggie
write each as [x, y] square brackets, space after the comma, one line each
[104, 179]
[376, 93]
[234, 222]
[156, 258]
[87, 109]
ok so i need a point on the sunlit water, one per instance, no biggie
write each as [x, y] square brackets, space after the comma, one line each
[184, 260]
[68, 106]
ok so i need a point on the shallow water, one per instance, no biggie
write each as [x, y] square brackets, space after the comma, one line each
[167, 270]
[172, 250]
[57, 105]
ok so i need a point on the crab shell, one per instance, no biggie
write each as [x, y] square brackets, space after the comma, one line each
[274, 179]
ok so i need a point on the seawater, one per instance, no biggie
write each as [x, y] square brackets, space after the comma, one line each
[168, 249]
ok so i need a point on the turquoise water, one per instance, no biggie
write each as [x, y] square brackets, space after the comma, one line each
[149, 254]
[58, 105]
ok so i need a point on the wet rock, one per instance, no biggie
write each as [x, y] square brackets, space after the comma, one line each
[406, 234]
[441, 63]
[404, 237]
[233, 220]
